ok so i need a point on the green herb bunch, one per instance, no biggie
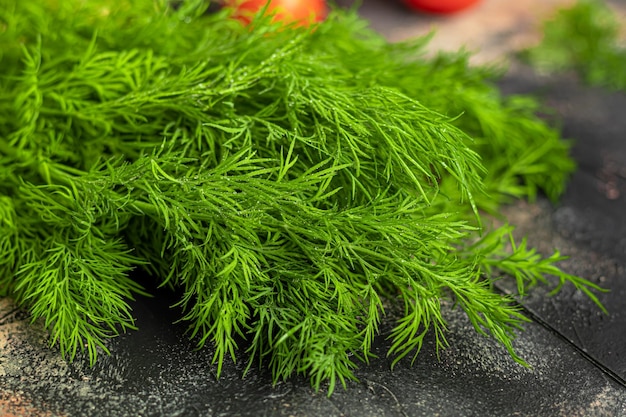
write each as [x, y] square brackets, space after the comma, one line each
[584, 38]
[290, 183]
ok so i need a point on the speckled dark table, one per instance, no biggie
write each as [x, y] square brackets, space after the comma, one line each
[577, 354]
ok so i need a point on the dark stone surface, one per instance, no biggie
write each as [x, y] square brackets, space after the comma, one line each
[156, 372]
[589, 223]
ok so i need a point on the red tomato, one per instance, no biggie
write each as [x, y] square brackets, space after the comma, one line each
[440, 6]
[302, 12]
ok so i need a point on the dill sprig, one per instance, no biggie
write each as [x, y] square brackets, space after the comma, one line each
[288, 182]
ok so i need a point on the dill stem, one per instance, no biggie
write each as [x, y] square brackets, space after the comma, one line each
[60, 174]
[14, 152]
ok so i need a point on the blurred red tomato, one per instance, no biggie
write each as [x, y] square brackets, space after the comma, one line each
[302, 12]
[440, 6]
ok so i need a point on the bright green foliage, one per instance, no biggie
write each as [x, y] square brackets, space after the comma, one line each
[585, 38]
[288, 182]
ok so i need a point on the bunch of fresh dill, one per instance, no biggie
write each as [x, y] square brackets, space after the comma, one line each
[286, 181]
[585, 38]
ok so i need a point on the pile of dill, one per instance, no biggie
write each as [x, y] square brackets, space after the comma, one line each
[287, 182]
[584, 38]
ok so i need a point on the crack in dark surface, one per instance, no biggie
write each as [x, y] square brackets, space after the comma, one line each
[369, 383]
[614, 376]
